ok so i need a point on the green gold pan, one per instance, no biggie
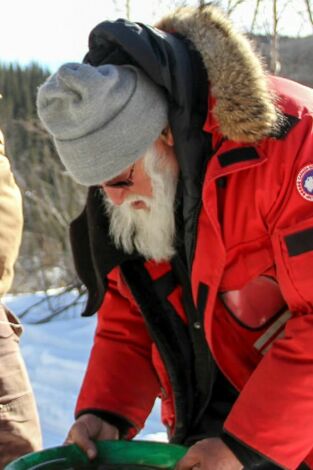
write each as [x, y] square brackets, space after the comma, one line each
[112, 455]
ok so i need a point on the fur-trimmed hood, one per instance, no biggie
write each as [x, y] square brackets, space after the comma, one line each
[244, 110]
[245, 107]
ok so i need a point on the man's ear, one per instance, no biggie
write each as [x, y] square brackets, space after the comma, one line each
[167, 136]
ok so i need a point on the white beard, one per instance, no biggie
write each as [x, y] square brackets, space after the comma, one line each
[149, 231]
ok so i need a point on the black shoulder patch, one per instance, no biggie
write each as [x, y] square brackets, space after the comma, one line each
[299, 242]
[238, 155]
[287, 123]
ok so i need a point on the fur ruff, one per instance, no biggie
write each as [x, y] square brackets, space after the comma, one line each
[245, 107]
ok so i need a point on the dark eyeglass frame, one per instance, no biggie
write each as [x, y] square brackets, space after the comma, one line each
[126, 183]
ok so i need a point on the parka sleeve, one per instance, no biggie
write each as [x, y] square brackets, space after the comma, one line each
[273, 414]
[120, 378]
[11, 221]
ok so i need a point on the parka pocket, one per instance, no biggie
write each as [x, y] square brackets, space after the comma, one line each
[5, 327]
[9, 323]
[20, 428]
[18, 409]
[256, 304]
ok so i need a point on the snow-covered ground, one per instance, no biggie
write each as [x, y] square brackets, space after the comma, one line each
[56, 355]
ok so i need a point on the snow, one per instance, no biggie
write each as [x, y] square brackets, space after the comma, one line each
[56, 355]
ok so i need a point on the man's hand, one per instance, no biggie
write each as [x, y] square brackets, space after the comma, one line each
[209, 454]
[88, 428]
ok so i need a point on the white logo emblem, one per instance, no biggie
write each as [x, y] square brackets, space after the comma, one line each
[305, 182]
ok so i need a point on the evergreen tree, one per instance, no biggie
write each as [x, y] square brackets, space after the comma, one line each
[51, 199]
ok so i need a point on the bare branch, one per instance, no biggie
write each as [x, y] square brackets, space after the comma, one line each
[54, 311]
[255, 14]
[274, 48]
[309, 10]
[127, 7]
[232, 5]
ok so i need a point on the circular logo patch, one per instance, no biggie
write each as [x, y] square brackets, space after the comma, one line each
[305, 182]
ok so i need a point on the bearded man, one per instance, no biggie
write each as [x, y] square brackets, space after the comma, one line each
[196, 240]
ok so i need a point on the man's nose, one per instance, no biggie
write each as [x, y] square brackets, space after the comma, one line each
[116, 195]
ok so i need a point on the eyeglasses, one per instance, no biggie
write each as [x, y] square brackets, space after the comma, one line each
[126, 183]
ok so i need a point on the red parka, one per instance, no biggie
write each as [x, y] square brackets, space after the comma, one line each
[253, 269]
[257, 229]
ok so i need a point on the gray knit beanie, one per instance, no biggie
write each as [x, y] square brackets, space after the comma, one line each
[102, 118]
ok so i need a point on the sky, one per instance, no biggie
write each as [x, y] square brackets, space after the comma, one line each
[51, 33]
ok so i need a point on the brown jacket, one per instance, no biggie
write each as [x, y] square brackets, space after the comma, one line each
[11, 221]
[19, 423]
